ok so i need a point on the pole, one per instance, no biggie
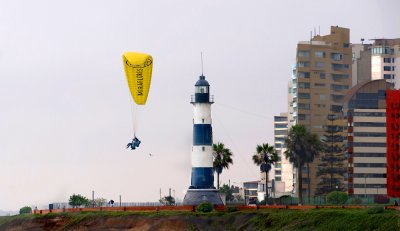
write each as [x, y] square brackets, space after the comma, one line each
[365, 185]
[119, 200]
[170, 196]
[93, 198]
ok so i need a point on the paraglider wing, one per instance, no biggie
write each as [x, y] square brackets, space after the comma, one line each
[138, 69]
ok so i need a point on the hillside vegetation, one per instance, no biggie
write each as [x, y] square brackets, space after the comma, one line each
[268, 219]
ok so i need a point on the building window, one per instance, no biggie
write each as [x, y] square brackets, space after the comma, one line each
[304, 95]
[364, 154]
[304, 53]
[201, 89]
[303, 117]
[280, 125]
[386, 76]
[322, 75]
[370, 134]
[303, 74]
[303, 64]
[280, 132]
[319, 84]
[388, 68]
[369, 124]
[337, 56]
[278, 172]
[278, 178]
[304, 106]
[373, 114]
[368, 144]
[336, 87]
[370, 165]
[320, 54]
[346, 45]
[304, 85]
[280, 119]
[319, 65]
[387, 60]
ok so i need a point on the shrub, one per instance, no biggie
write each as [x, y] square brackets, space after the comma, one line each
[25, 210]
[356, 201]
[381, 199]
[376, 209]
[337, 197]
[204, 207]
[231, 209]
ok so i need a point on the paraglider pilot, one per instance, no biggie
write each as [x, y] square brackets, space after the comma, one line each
[134, 144]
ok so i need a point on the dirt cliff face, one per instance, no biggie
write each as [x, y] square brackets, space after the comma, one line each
[131, 222]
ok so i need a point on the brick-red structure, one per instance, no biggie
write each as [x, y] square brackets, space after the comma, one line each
[393, 142]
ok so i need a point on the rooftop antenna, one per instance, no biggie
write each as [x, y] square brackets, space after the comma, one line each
[201, 56]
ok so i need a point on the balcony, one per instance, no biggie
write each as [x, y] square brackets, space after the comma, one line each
[193, 99]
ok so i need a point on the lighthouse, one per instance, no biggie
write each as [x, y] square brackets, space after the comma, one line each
[202, 177]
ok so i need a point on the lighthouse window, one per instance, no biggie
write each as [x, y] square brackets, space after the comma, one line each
[201, 89]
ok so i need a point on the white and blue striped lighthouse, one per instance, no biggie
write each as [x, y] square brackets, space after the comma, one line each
[202, 179]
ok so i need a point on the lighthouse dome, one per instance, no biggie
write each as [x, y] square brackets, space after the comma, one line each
[202, 81]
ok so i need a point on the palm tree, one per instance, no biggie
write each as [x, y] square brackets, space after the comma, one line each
[314, 147]
[222, 159]
[302, 147]
[265, 157]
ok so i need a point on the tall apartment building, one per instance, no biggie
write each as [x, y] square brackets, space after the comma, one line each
[323, 77]
[361, 69]
[292, 98]
[283, 169]
[385, 60]
[379, 60]
[365, 111]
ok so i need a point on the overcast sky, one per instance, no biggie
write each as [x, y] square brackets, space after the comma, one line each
[65, 108]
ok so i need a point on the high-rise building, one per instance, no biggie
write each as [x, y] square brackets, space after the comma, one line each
[365, 110]
[379, 60]
[283, 169]
[323, 77]
[361, 69]
[385, 60]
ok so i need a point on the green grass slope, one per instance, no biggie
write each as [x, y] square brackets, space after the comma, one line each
[268, 219]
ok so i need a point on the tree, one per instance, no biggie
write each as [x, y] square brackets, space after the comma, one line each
[302, 147]
[222, 159]
[99, 202]
[331, 168]
[25, 210]
[76, 200]
[337, 197]
[265, 157]
[314, 147]
[228, 192]
[167, 200]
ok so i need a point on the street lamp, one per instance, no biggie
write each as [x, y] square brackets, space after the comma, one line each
[337, 194]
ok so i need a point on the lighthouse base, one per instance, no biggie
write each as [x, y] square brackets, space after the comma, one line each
[197, 196]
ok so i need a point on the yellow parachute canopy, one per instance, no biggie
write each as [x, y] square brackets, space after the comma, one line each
[138, 68]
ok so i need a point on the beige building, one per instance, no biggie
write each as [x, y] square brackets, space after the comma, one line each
[361, 69]
[380, 60]
[323, 77]
[365, 112]
[283, 169]
[385, 60]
